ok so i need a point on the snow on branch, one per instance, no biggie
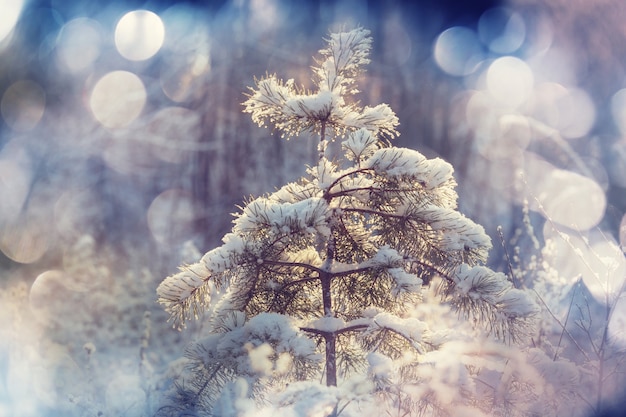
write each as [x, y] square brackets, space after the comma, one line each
[293, 110]
[360, 145]
[379, 119]
[411, 330]
[343, 59]
[490, 296]
[386, 256]
[265, 215]
[188, 293]
[394, 264]
[276, 330]
[226, 256]
[262, 350]
[404, 282]
[293, 192]
[343, 252]
[398, 162]
[280, 104]
[459, 232]
[185, 294]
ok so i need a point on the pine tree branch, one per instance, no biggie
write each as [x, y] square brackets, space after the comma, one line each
[287, 285]
[341, 177]
[412, 342]
[325, 333]
[376, 213]
[293, 265]
[348, 191]
[337, 274]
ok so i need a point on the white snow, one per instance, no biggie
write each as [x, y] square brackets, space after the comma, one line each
[323, 105]
[293, 110]
[308, 255]
[178, 287]
[398, 162]
[404, 281]
[293, 192]
[379, 120]
[327, 324]
[344, 56]
[380, 366]
[360, 144]
[481, 283]
[459, 232]
[223, 257]
[125, 396]
[326, 174]
[302, 216]
[411, 328]
[386, 256]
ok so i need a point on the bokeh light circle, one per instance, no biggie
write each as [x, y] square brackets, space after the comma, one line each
[622, 233]
[578, 113]
[502, 30]
[618, 109]
[593, 257]
[171, 216]
[48, 286]
[139, 35]
[78, 212]
[505, 138]
[568, 110]
[571, 200]
[175, 132]
[11, 10]
[24, 240]
[16, 175]
[608, 262]
[23, 105]
[182, 77]
[458, 51]
[510, 81]
[79, 44]
[617, 325]
[186, 54]
[117, 99]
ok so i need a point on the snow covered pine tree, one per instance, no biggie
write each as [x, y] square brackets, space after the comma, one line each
[314, 279]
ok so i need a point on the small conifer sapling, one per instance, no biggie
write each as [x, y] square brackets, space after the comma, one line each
[315, 278]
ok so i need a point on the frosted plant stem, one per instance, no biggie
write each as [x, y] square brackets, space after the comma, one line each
[569, 309]
[508, 259]
[610, 308]
[562, 326]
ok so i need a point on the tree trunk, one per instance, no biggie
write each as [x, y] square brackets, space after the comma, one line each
[331, 359]
[329, 337]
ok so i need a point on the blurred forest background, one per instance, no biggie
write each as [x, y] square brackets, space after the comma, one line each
[124, 149]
